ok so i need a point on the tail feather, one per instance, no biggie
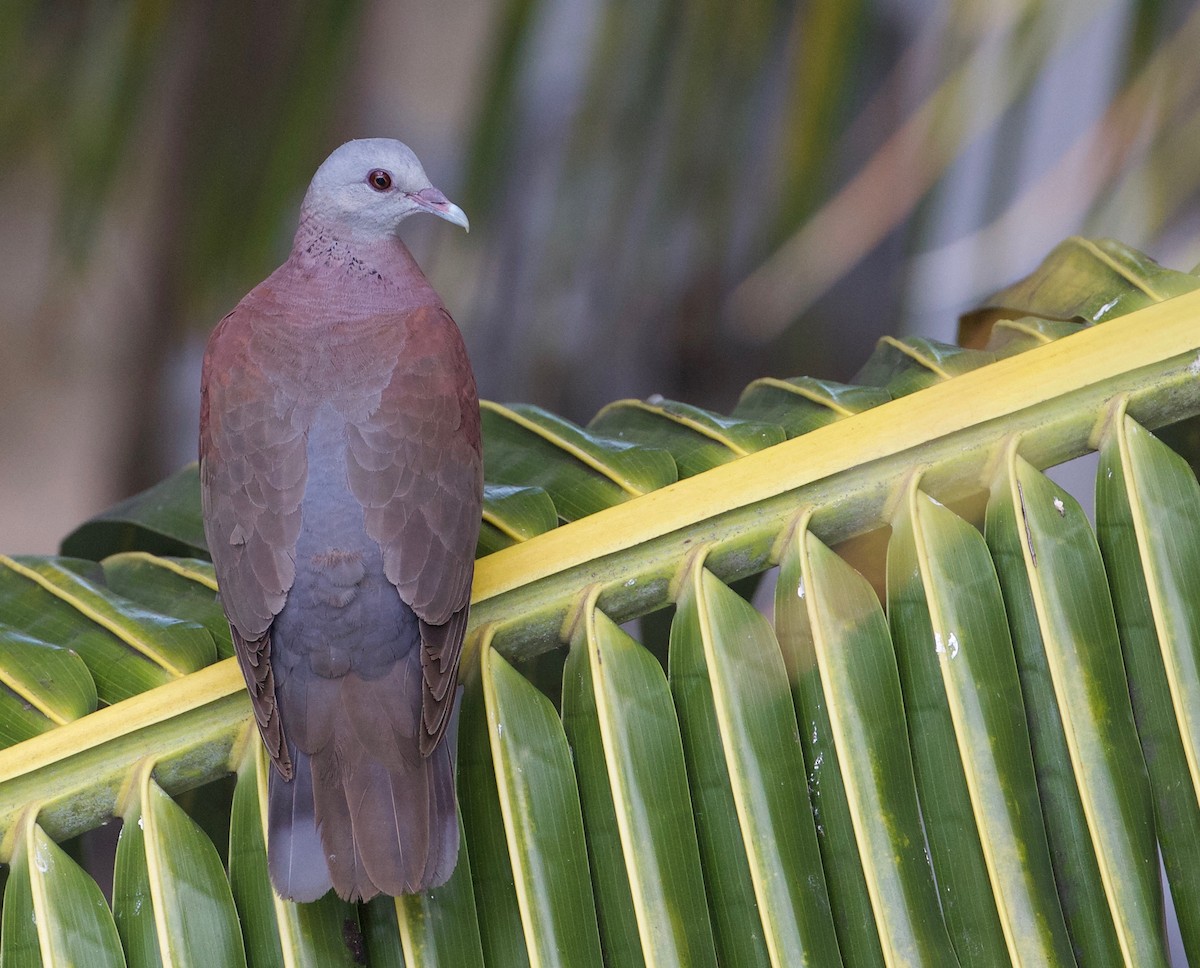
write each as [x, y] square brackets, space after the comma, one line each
[443, 845]
[391, 825]
[295, 856]
[349, 877]
[403, 822]
[443, 851]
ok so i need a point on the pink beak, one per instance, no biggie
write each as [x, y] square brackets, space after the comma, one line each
[434, 202]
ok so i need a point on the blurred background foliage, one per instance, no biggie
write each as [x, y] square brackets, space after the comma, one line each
[666, 196]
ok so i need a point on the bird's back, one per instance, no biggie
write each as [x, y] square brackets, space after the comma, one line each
[341, 473]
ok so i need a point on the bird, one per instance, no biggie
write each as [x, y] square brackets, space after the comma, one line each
[341, 483]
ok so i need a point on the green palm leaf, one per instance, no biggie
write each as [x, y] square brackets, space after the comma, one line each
[766, 798]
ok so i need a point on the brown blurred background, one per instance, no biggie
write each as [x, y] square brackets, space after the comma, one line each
[665, 196]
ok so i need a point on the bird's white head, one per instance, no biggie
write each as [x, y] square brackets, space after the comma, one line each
[366, 188]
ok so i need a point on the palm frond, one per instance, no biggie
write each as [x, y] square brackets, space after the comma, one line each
[1024, 706]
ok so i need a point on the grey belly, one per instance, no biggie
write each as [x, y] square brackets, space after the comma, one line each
[341, 611]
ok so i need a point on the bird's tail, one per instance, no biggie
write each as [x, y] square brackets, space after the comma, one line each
[364, 821]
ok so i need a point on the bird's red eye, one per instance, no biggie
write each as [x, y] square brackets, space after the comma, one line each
[380, 180]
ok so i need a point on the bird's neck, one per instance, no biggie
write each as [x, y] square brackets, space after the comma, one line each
[374, 273]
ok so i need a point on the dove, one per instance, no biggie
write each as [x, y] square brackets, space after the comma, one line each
[341, 480]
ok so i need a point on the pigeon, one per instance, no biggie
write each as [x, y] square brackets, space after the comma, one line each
[341, 479]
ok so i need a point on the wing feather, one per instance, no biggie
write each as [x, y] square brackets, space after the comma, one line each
[416, 466]
[252, 472]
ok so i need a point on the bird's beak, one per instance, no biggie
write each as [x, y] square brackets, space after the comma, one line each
[434, 202]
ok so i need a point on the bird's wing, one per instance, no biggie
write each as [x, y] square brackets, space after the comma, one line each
[416, 466]
[252, 474]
